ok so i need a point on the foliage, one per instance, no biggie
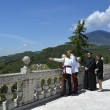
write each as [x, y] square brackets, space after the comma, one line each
[104, 51]
[79, 40]
[13, 63]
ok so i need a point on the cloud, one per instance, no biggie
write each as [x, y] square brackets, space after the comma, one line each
[19, 38]
[98, 18]
[25, 45]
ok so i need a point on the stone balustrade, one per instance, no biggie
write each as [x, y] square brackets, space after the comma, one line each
[34, 86]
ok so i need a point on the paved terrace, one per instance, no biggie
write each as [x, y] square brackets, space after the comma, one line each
[86, 100]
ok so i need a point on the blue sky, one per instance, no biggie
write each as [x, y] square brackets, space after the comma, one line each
[32, 25]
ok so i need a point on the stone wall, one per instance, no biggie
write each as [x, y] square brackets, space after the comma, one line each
[35, 86]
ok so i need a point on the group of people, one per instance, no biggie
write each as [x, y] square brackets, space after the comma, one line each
[71, 70]
[93, 68]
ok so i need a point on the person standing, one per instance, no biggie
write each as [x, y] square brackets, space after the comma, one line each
[99, 71]
[89, 76]
[66, 75]
[75, 71]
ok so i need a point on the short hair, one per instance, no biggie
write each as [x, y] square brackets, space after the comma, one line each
[70, 51]
[90, 53]
[99, 55]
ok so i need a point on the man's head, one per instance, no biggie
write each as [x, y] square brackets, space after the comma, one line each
[69, 52]
[64, 56]
[89, 54]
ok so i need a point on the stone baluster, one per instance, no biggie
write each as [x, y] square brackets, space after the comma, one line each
[52, 87]
[58, 89]
[46, 89]
[40, 91]
[35, 89]
[18, 100]
[1, 107]
[9, 103]
[60, 79]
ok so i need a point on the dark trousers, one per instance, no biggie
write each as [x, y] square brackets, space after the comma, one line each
[86, 81]
[75, 83]
[90, 80]
[66, 78]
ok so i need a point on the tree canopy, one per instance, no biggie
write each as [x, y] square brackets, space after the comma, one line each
[79, 40]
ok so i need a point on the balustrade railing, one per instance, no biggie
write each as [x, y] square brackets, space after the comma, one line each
[27, 87]
[18, 89]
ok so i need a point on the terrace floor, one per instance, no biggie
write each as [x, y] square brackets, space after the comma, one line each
[85, 100]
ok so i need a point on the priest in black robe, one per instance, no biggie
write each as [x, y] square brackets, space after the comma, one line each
[89, 76]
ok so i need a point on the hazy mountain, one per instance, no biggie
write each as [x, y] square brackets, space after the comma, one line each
[99, 37]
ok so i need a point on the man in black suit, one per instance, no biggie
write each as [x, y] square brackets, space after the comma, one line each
[89, 76]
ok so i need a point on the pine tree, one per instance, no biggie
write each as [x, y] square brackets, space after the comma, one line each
[79, 40]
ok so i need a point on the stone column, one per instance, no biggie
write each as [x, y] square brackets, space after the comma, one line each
[9, 96]
[40, 91]
[46, 89]
[58, 89]
[35, 89]
[1, 105]
[52, 87]
[18, 100]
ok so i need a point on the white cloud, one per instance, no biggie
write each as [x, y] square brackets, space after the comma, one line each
[25, 45]
[98, 18]
[19, 38]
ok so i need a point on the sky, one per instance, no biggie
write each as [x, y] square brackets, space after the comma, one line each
[32, 25]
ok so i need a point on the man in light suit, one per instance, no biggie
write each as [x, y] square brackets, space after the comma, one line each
[66, 74]
[75, 71]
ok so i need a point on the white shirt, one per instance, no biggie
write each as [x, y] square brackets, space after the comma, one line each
[74, 64]
[67, 62]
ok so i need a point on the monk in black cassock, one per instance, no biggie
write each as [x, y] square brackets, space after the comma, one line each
[89, 76]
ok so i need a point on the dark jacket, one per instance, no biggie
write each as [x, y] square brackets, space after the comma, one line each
[90, 64]
[99, 65]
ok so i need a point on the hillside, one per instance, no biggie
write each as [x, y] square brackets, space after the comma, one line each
[99, 37]
[13, 63]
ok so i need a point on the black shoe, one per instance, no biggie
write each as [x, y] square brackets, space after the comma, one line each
[69, 94]
[63, 95]
[75, 93]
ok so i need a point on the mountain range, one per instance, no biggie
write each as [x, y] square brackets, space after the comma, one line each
[99, 37]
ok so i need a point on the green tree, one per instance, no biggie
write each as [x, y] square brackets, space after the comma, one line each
[79, 40]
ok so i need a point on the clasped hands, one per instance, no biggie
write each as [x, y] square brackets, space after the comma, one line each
[86, 68]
